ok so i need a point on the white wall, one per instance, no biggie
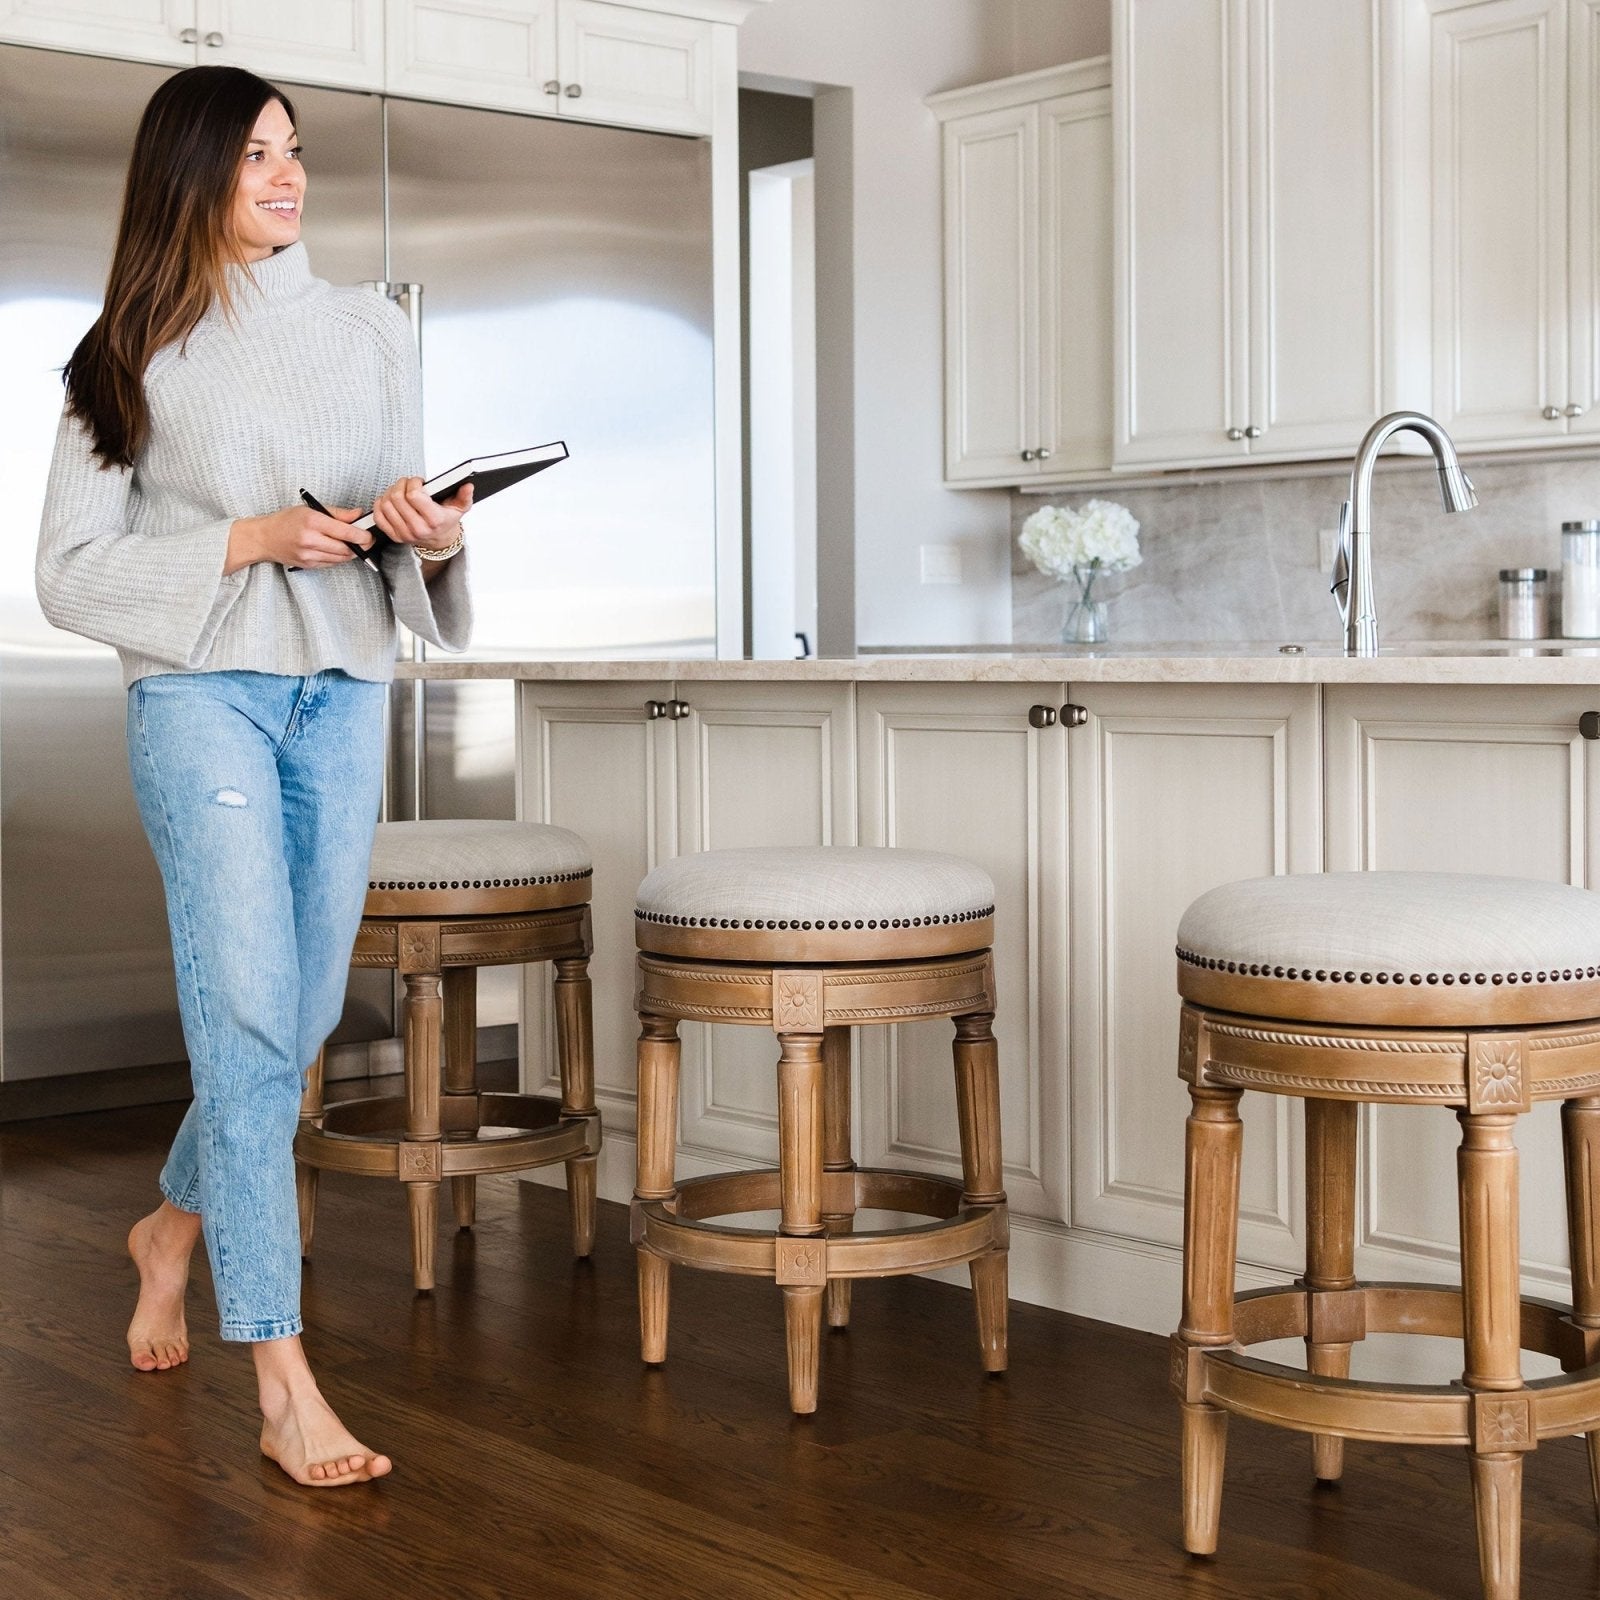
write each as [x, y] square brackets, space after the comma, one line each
[891, 54]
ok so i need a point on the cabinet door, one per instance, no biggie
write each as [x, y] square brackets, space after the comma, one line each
[1315, 262]
[991, 254]
[141, 30]
[639, 68]
[958, 768]
[1174, 791]
[474, 53]
[1182, 201]
[1459, 780]
[1583, 176]
[337, 42]
[590, 758]
[758, 764]
[1500, 221]
[1075, 343]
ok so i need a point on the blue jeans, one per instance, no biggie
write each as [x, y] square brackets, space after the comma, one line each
[259, 794]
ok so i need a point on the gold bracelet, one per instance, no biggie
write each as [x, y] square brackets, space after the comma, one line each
[443, 554]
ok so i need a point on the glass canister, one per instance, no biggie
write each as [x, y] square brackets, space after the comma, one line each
[1524, 603]
[1580, 580]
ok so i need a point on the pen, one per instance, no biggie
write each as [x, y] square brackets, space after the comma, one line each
[316, 505]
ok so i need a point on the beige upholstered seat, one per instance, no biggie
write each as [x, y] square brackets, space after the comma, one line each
[461, 866]
[815, 903]
[1372, 946]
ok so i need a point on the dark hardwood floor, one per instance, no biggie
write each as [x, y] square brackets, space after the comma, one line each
[535, 1457]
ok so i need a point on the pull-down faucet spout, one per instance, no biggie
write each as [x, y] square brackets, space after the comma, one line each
[1352, 573]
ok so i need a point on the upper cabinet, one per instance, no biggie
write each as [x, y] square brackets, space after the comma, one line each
[1516, 213]
[1258, 162]
[1027, 230]
[571, 58]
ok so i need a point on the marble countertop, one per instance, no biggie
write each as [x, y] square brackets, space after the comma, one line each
[1477, 661]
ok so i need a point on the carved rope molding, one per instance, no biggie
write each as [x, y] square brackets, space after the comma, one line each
[1447, 1044]
[1256, 1077]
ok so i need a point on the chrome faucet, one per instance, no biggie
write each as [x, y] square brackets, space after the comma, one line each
[1352, 568]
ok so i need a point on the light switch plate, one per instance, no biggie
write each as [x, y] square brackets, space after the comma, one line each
[941, 563]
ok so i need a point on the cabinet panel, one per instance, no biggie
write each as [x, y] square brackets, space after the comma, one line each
[141, 30]
[1499, 219]
[991, 290]
[1583, 181]
[758, 764]
[958, 768]
[1174, 791]
[462, 50]
[590, 760]
[632, 67]
[338, 42]
[1507, 787]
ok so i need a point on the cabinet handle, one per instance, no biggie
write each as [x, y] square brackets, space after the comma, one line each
[213, 39]
[1074, 716]
[1573, 411]
[189, 36]
[1235, 434]
[655, 710]
[1041, 716]
[677, 709]
[1252, 432]
[574, 90]
[552, 86]
[1589, 724]
[1028, 455]
[1041, 454]
[1551, 413]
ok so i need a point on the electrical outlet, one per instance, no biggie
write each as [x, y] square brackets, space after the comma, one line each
[1327, 548]
[941, 563]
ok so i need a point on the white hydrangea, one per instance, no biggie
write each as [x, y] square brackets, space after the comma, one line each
[1101, 536]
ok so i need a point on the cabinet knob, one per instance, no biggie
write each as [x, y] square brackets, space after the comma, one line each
[1589, 724]
[655, 710]
[677, 709]
[213, 39]
[573, 90]
[1074, 716]
[1252, 432]
[1236, 434]
[552, 86]
[1551, 413]
[1042, 454]
[1573, 411]
[189, 36]
[1028, 455]
[1041, 716]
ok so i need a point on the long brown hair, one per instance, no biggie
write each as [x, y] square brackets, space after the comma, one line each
[174, 242]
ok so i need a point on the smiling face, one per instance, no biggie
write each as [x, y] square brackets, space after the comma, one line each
[269, 196]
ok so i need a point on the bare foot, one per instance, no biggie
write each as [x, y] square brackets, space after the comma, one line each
[309, 1442]
[160, 1244]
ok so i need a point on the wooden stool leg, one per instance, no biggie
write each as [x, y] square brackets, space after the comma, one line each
[977, 1063]
[1580, 1138]
[305, 1175]
[1214, 1145]
[575, 1060]
[420, 1154]
[1491, 1305]
[1330, 1248]
[836, 1155]
[461, 1071]
[659, 1053]
[800, 1186]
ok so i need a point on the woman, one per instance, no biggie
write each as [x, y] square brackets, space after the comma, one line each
[221, 377]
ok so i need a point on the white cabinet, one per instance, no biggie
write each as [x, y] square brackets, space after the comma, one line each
[337, 42]
[575, 58]
[1257, 306]
[1027, 252]
[1516, 215]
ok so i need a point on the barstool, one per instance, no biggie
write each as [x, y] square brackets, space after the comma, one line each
[1400, 988]
[810, 942]
[444, 899]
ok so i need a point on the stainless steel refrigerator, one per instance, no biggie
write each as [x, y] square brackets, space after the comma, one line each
[566, 294]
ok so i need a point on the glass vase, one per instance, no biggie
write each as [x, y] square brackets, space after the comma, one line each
[1085, 621]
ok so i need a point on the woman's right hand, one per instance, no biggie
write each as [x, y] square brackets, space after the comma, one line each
[297, 536]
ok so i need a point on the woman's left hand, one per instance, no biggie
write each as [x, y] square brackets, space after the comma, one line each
[410, 516]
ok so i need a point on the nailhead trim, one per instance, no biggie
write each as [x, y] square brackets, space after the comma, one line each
[1327, 975]
[482, 883]
[809, 927]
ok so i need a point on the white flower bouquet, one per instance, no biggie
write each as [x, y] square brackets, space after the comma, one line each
[1100, 536]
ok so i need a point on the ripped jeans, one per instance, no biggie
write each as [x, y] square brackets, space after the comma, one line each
[259, 794]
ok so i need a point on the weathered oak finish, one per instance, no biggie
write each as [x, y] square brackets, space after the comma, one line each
[436, 1129]
[817, 1188]
[1489, 1076]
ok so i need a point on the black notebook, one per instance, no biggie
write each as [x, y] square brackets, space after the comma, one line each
[488, 475]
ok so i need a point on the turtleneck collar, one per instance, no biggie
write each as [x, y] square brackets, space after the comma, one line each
[277, 277]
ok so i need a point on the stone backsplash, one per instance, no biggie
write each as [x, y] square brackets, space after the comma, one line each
[1236, 559]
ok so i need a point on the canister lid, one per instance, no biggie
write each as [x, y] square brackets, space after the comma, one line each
[1524, 574]
[1580, 527]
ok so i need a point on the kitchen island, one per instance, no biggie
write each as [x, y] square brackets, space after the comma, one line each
[1102, 792]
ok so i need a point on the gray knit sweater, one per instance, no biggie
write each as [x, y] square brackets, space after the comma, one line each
[312, 386]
